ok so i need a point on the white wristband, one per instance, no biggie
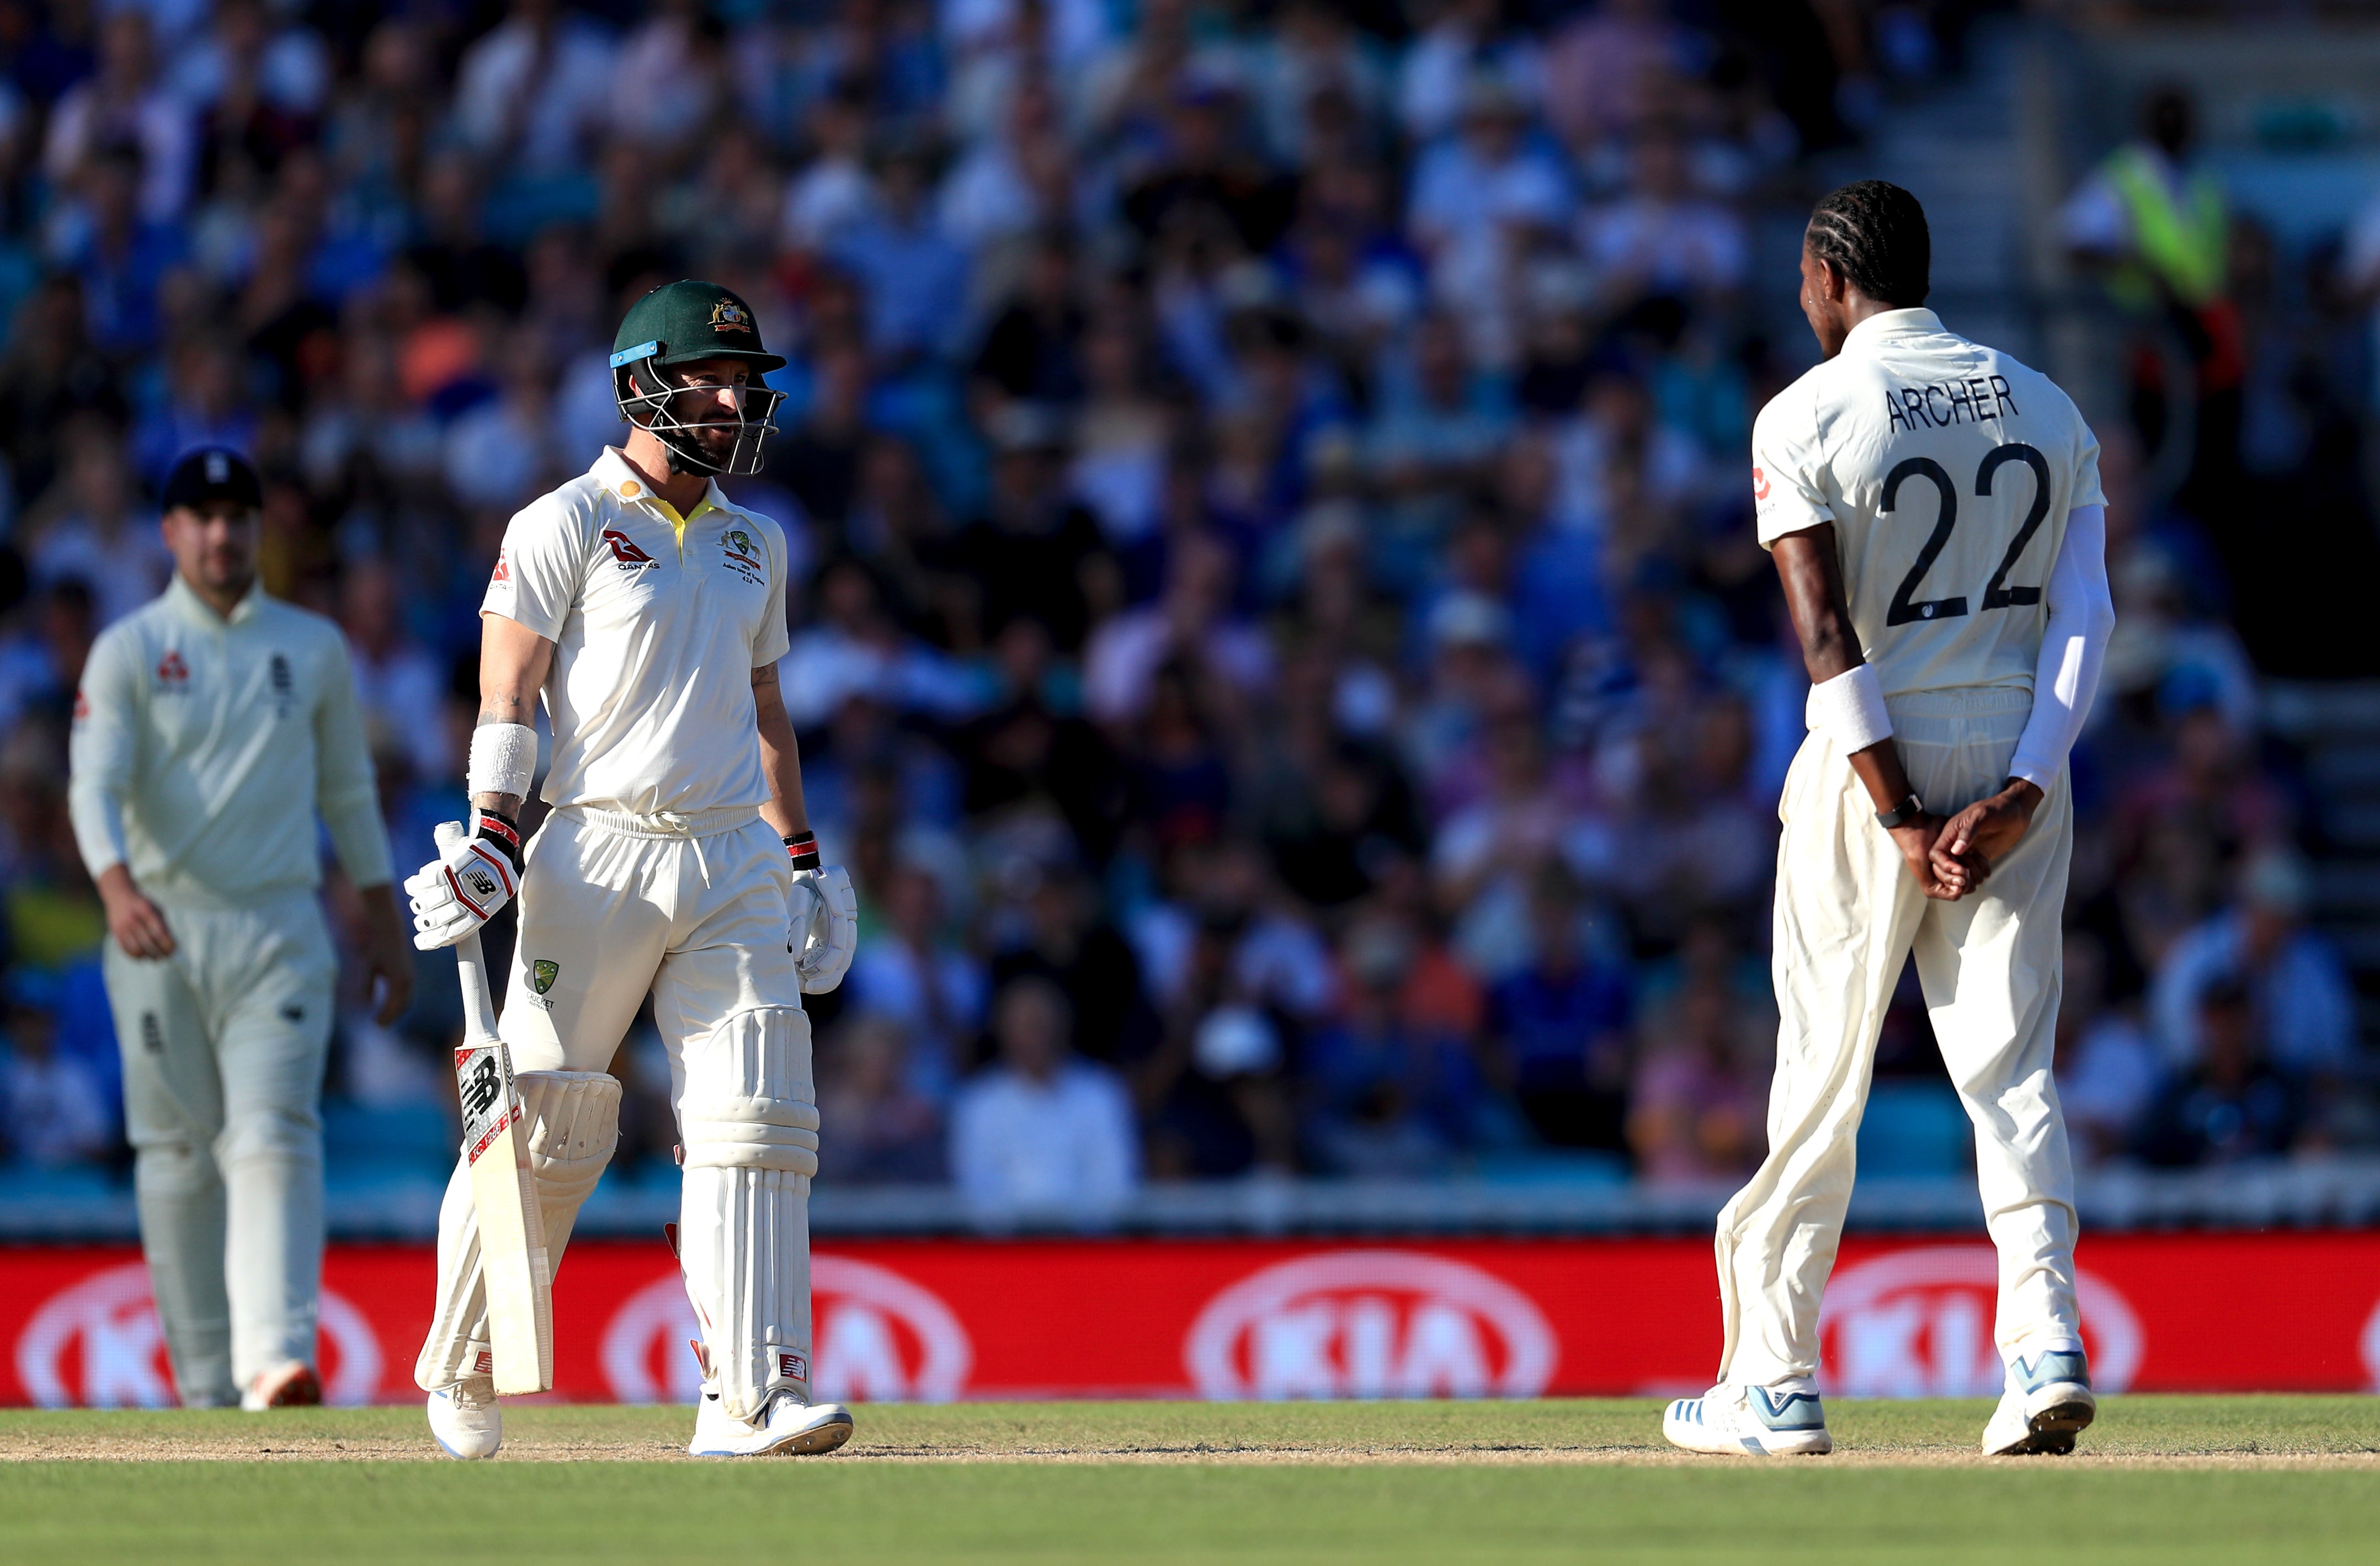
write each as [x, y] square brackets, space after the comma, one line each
[503, 759]
[1849, 709]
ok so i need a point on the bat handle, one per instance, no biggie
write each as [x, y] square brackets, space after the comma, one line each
[479, 1011]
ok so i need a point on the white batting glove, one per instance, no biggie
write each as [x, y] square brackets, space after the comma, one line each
[825, 926]
[472, 877]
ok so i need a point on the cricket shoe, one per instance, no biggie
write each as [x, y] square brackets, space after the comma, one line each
[290, 1384]
[465, 1420]
[789, 1426]
[1729, 1421]
[2049, 1400]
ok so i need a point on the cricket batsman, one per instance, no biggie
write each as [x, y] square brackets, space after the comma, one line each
[1935, 514]
[648, 609]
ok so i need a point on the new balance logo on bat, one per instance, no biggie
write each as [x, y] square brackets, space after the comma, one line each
[482, 1090]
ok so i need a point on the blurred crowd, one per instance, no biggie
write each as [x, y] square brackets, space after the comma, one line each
[1280, 643]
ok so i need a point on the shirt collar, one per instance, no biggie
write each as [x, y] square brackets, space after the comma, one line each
[1893, 323]
[624, 482]
[191, 606]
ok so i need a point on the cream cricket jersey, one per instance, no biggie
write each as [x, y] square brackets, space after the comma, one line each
[1948, 469]
[657, 626]
[203, 746]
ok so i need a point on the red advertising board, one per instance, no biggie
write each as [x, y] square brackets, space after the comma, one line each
[934, 1320]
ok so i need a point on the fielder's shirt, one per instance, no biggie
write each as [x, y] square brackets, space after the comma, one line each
[1948, 469]
[657, 624]
[201, 744]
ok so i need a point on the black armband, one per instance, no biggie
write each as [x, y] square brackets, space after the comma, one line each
[1900, 815]
[501, 832]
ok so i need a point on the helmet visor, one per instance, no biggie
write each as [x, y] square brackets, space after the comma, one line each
[713, 424]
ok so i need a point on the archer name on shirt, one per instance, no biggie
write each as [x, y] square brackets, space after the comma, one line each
[1941, 404]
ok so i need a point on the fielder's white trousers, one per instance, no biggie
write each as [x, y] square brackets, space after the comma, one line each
[224, 1044]
[1848, 914]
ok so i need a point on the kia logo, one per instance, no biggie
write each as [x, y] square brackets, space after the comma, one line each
[1370, 1324]
[878, 1339]
[97, 1344]
[1918, 1323]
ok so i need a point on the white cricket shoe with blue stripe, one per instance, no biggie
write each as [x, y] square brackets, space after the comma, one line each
[1731, 1421]
[465, 1420]
[2049, 1400]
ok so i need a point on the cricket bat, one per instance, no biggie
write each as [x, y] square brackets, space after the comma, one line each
[512, 1226]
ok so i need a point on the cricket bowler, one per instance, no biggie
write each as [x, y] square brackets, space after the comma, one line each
[210, 726]
[1934, 510]
[648, 611]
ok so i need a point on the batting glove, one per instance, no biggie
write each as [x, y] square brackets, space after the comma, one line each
[825, 924]
[472, 877]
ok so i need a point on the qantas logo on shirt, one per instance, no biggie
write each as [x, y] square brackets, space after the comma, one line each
[1759, 484]
[173, 674]
[504, 572]
[624, 551]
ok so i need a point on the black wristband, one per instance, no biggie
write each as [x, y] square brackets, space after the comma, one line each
[1900, 815]
[502, 831]
[802, 849]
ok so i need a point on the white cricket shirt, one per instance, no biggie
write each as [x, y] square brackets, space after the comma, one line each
[1948, 469]
[657, 627]
[202, 747]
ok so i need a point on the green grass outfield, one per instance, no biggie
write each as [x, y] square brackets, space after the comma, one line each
[2159, 1480]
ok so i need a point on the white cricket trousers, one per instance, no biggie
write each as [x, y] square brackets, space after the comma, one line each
[695, 910]
[1848, 914]
[224, 1044]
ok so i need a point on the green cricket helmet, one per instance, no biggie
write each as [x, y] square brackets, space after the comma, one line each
[677, 325]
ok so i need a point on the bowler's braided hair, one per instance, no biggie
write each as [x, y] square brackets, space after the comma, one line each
[1874, 234]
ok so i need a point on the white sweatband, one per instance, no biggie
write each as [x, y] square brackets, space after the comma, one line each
[503, 759]
[1849, 709]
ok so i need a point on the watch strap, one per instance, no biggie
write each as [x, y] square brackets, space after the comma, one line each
[1907, 810]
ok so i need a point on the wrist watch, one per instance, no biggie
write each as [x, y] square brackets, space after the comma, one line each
[1900, 815]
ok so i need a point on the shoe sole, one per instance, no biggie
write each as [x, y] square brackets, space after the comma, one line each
[2052, 1431]
[812, 1442]
[1815, 1444]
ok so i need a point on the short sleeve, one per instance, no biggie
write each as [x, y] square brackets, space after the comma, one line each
[1788, 495]
[773, 640]
[539, 568]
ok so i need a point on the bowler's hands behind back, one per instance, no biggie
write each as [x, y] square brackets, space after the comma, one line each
[456, 893]
[1919, 839]
[1986, 830]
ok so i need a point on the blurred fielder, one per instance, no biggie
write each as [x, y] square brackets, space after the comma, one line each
[649, 611]
[1934, 511]
[211, 727]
